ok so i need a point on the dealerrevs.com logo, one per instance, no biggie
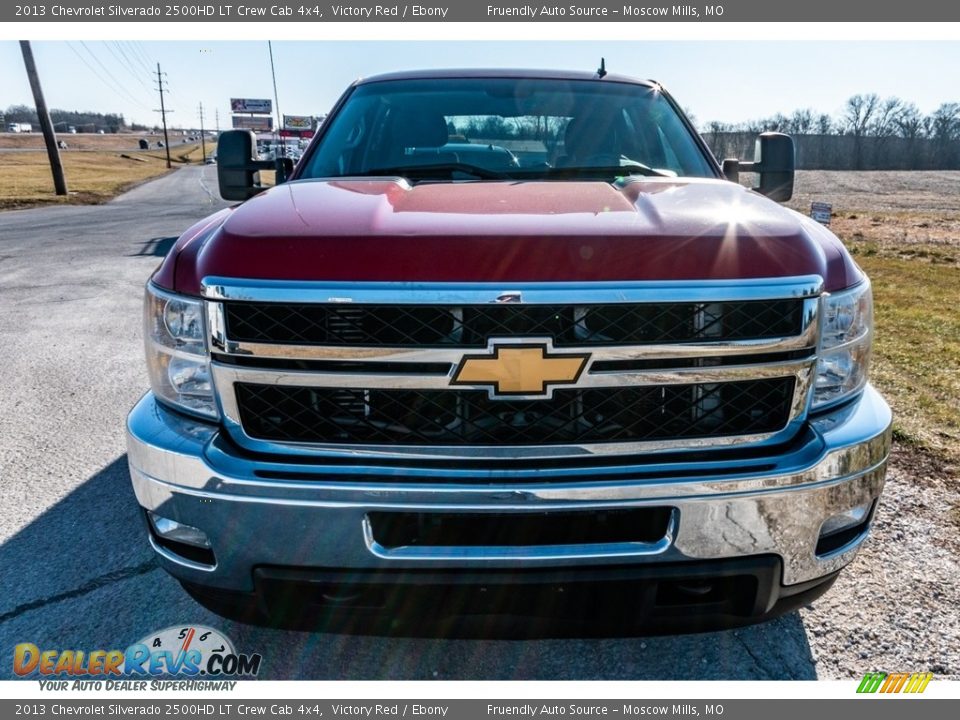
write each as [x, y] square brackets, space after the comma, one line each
[181, 651]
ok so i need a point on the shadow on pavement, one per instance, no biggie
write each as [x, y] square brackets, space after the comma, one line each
[91, 538]
[157, 247]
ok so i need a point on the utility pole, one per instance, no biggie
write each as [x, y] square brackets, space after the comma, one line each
[276, 101]
[216, 115]
[49, 136]
[203, 141]
[163, 115]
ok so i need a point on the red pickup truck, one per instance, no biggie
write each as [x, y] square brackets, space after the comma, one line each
[508, 341]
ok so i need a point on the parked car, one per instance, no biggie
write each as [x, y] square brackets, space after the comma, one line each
[600, 375]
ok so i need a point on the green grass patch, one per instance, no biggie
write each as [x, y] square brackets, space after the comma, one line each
[916, 360]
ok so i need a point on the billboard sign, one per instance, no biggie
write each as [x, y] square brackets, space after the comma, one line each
[251, 105]
[297, 122]
[304, 134]
[260, 123]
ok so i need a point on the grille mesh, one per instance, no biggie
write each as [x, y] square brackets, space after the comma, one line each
[473, 325]
[439, 417]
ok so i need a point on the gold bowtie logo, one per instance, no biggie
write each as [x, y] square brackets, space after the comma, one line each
[527, 369]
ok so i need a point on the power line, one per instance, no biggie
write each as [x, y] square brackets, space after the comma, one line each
[113, 88]
[125, 63]
[135, 53]
[138, 46]
[117, 86]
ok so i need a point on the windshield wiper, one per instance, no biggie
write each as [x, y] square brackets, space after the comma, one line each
[434, 169]
[633, 168]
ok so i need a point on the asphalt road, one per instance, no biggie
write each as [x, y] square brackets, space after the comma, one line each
[75, 567]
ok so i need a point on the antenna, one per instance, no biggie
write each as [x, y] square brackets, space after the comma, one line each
[603, 68]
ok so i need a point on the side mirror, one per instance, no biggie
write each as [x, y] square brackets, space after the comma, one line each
[774, 160]
[238, 169]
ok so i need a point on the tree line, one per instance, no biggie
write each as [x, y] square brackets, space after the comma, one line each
[83, 121]
[870, 133]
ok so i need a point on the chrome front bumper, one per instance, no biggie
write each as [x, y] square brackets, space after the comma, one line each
[261, 511]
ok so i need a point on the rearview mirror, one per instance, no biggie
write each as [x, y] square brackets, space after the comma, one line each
[774, 160]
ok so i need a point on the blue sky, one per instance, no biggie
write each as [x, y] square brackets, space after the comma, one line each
[729, 81]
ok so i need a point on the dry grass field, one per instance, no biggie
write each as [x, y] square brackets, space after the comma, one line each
[93, 176]
[84, 141]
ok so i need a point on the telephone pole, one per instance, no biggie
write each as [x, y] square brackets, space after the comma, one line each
[163, 115]
[49, 136]
[203, 141]
[276, 101]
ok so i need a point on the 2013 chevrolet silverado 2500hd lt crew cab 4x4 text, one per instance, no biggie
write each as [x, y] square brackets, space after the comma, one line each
[515, 332]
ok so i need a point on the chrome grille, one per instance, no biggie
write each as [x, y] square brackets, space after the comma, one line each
[473, 325]
[444, 417]
[354, 369]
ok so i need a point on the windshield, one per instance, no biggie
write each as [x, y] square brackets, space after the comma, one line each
[503, 128]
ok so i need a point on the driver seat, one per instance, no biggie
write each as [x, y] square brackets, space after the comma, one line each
[412, 130]
[590, 140]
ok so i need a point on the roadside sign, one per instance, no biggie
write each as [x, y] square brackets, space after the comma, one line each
[305, 134]
[261, 123]
[251, 105]
[297, 122]
[821, 212]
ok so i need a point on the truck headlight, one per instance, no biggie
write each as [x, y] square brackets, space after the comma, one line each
[174, 331]
[845, 337]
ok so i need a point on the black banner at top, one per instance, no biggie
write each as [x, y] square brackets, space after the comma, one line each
[633, 11]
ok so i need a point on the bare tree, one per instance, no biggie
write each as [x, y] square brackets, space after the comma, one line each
[715, 127]
[909, 123]
[858, 113]
[945, 132]
[869, 133]
[801, 121]
[857, 117]
[945, 122]
[824, 124]
[884, 122]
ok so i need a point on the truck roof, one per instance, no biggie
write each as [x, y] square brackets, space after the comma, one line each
[525, 73]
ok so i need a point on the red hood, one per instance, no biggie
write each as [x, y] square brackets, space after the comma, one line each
[383, 230]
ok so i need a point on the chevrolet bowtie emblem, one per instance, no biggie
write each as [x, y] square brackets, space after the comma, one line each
[527, 369]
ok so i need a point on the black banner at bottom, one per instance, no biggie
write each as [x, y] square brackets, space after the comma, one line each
[874, 707]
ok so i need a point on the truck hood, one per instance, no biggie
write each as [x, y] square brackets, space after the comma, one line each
[387, 230]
